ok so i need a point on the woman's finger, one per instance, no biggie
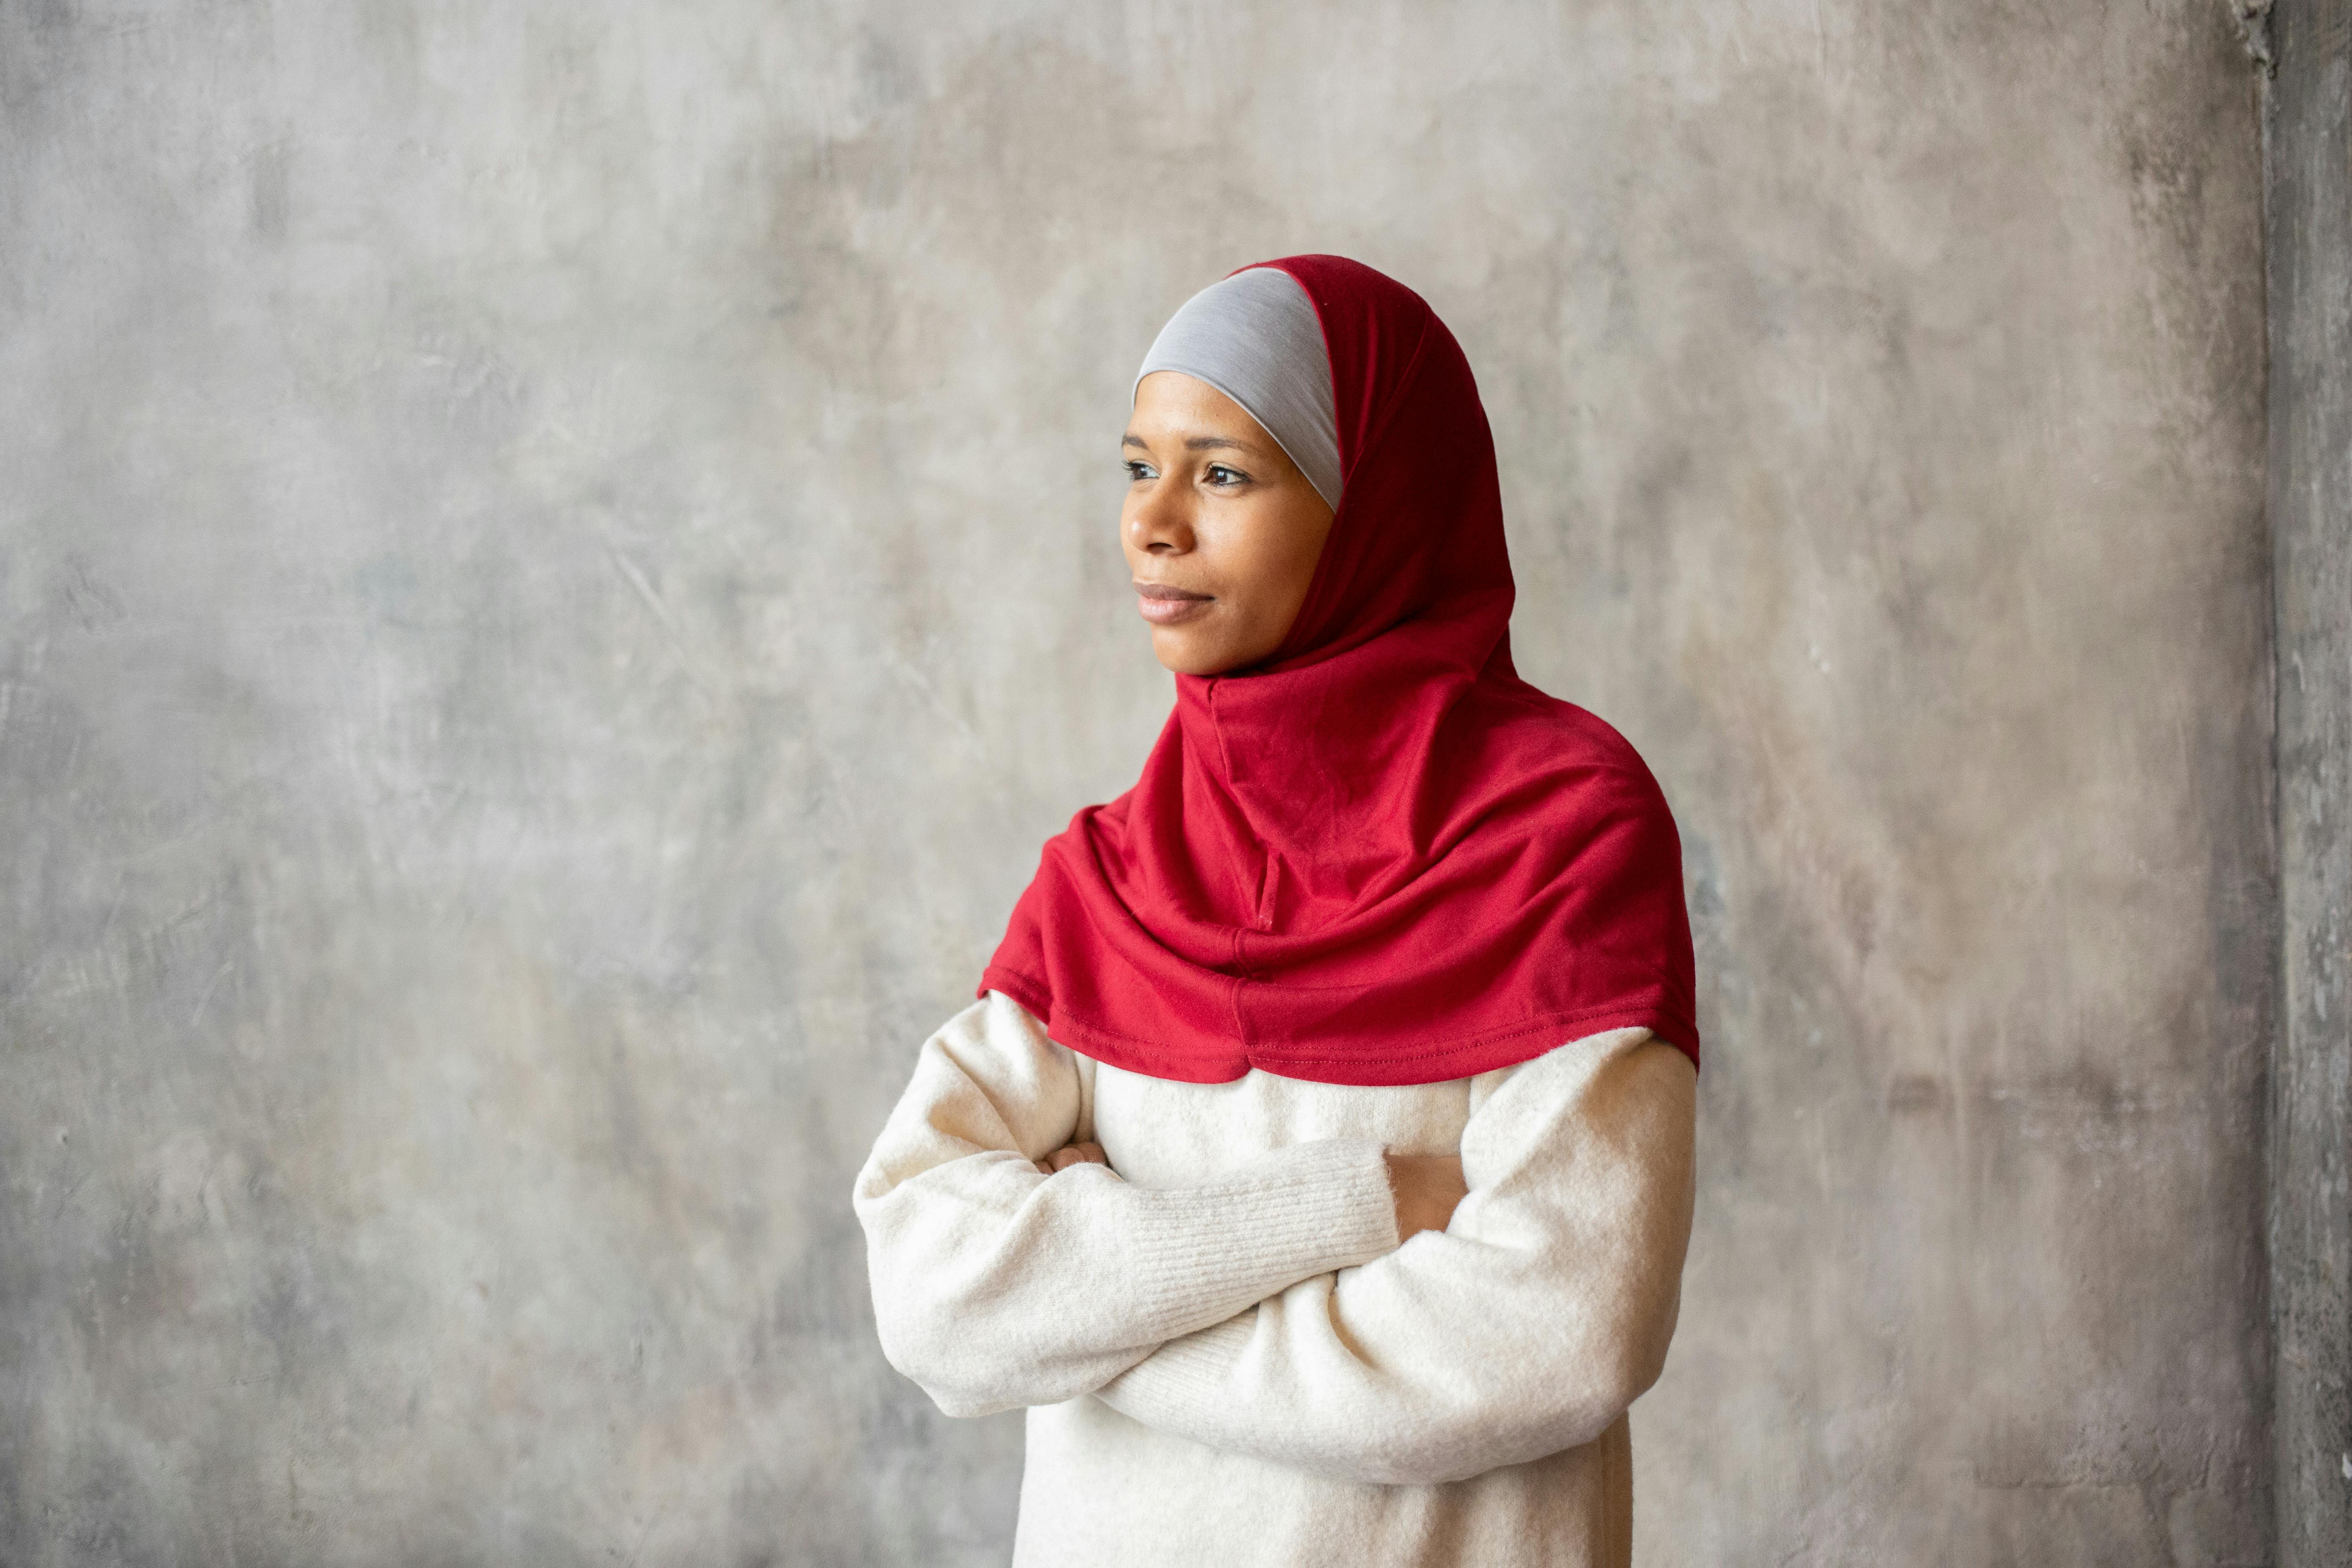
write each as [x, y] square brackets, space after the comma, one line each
[1071, 1154]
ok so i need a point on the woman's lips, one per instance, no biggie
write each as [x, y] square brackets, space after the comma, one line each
[1165, 606]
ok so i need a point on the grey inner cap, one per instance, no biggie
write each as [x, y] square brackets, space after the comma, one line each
[1255, 338]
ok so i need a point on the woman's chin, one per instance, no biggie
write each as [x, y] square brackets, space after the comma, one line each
[1183, 654]
[1199, 655]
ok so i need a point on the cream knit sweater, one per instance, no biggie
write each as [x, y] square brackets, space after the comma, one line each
[1228, 1359]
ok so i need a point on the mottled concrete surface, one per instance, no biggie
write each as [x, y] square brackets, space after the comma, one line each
[2310, 256]
[556, 560]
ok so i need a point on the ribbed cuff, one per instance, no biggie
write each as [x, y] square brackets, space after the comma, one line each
[1185, 1375]
[1201, 1253]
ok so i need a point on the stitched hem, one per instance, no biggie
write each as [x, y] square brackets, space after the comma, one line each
[1156, 1058]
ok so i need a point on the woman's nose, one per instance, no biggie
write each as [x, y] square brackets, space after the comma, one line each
[1159, 525]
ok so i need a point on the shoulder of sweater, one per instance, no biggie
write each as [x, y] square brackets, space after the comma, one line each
[1574, 1059]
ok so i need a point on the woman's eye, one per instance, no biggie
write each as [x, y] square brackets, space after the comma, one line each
[1221, 475]
[1138, 471]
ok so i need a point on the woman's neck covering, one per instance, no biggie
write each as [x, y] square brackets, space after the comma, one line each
[1379, 857]
[1254, 337]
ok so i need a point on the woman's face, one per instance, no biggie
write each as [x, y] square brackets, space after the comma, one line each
[1221, 531]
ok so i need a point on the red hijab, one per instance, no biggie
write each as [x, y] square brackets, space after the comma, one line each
[1379, 857]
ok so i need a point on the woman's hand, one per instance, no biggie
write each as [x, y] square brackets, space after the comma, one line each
[1427, 1186]
[1071, 1154]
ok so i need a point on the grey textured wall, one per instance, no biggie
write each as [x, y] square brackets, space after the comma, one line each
[2310, 304]
[557, 559]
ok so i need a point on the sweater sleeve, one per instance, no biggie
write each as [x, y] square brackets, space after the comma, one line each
[995, 1286]
[1526, 1327]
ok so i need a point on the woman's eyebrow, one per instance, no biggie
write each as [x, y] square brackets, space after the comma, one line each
[1192, 443]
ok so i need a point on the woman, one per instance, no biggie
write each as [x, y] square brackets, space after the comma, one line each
[1316, 1163]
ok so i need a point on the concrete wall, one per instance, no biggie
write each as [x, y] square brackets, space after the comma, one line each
[2310, 300]
[556, 560]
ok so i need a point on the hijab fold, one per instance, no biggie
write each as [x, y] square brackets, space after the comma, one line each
[1379, 857]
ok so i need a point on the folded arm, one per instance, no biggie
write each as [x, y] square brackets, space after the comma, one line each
[997, 1285]
[1526, 1327]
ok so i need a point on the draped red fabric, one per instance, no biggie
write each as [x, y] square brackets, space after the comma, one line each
[1381, 856]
